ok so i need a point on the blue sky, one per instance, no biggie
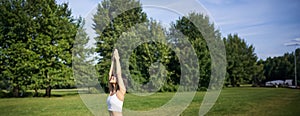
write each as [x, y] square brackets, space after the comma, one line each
[266, 24]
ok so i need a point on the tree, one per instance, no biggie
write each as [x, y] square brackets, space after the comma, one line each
[54, 43]
[36, 41]
[242, 61]
[149, 58]
[83, 61]
[112, 18]
[259, 77]
[196, 27]
[17, 29]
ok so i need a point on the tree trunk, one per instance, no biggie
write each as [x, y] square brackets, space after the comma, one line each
[48, 91]
[232, 83]
[16, 91]
[35, 92]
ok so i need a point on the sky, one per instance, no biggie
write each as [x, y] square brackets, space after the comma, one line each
[265, 24]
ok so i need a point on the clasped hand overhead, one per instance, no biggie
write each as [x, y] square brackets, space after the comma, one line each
[115, 55]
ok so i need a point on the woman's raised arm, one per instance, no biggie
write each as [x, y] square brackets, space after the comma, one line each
[119, 73]
[110, 73]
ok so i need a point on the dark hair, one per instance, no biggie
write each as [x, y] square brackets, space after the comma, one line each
[117, 85]
[125, 81]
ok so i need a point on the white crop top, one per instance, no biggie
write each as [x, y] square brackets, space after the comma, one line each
[114, 104]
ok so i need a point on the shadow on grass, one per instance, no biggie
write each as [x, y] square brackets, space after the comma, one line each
[54, 93]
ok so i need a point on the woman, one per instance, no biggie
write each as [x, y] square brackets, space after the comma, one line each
[116, 87]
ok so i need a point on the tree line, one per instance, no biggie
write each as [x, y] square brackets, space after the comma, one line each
[282, 67]
[37, 41]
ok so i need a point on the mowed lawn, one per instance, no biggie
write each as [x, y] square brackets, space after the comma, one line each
[232, 101]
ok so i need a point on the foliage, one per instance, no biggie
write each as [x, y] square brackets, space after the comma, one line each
[113, 17]
[198, 30]
[282, 67]
[83, 62]
[148, 58]
[242, 62]
[36, 42]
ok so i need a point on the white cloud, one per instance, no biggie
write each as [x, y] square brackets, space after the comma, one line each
[297, 39]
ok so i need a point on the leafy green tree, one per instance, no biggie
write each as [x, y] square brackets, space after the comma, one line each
[259, 77]
[16, 28]
[113, 17]
[149, 59]
[194, 27]
[83, 61]
[54, 43]
[36, 41]
[242, 61]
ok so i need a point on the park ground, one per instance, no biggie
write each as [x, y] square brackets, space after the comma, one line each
[232, 101]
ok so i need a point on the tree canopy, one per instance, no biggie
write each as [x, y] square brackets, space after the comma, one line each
[36, 42]
[242, 67]
[282, 67]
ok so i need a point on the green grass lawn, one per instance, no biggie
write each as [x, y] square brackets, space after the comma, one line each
[232, 101]
[254, 102]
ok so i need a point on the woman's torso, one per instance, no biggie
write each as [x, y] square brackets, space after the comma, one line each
[114, 103]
